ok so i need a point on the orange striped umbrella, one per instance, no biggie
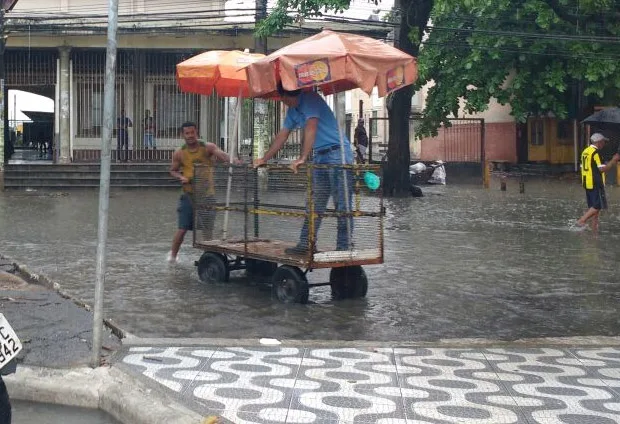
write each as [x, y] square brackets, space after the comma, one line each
[216, 71]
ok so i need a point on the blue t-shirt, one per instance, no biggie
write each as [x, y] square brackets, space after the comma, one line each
[311, 105]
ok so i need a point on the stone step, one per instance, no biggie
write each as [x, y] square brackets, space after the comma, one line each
[59, 187]
[22, 176]
[87, 167]
[72, 179]
[137, 174]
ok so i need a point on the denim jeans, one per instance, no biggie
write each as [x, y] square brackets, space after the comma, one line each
[330, 183]
[149, 141]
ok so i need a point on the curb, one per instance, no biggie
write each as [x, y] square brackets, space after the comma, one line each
[108, 389]
[542, 342]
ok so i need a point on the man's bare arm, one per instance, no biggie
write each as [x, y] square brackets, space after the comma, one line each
[277, 144]
[219, 154]
[309, 137]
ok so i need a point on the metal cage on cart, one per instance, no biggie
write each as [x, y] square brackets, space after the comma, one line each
[275, 223]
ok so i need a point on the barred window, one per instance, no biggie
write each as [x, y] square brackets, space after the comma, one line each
[172, 108]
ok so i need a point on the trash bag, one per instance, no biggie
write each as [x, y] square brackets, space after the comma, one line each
[417, 168]
[439, 175]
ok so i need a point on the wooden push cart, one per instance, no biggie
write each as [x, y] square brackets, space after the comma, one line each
[250, 219]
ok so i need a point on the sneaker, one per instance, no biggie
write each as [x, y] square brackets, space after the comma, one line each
[172, 260]
[576, 227]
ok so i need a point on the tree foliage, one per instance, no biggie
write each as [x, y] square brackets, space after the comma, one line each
[539, 56]
[281, 15]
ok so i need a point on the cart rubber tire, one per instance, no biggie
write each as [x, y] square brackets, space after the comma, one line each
[289, 285]
[348, 282]
[258, 268]
[213, 268]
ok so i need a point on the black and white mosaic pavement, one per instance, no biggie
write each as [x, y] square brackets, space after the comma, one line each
[388, 385]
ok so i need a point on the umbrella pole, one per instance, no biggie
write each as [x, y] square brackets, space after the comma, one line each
[344, 174]
[232, 149]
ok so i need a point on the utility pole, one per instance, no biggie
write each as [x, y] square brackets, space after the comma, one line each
[261, 110]
[104, 186]
[3, 138]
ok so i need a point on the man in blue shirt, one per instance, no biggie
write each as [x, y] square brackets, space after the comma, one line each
[321, 136]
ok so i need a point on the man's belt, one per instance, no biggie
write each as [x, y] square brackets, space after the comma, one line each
[327, 149]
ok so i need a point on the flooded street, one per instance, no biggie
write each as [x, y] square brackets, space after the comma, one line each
[460, 262]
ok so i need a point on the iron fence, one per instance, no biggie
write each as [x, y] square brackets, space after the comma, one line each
[462, 142]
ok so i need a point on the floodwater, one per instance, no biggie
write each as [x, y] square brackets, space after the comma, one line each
[460, 262]
[43, 413]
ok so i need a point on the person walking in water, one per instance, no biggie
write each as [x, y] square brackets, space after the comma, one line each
[309, 111]
[192, 152]
[593, 180]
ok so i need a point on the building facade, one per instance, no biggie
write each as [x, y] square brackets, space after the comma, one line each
[56, 48]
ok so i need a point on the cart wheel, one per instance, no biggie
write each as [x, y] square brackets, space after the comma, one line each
[348, 282]
[290, 285]
[213, 268]
[260, 268]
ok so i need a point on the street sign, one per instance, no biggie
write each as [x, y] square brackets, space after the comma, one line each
[10, 345]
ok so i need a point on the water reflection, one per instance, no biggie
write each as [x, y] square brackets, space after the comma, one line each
[460, 262]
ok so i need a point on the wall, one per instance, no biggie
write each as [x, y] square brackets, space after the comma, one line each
[461, 143]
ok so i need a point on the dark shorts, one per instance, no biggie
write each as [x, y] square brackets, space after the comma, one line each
[185, 213]
[596, 198]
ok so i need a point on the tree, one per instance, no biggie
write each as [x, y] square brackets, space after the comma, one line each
[539, 56]
[412, 23]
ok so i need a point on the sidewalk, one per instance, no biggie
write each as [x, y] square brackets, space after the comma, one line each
[399, 385]
[243, 381]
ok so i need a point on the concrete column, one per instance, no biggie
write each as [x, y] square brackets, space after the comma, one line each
[261, 138]
[2, 140]
[64, 143]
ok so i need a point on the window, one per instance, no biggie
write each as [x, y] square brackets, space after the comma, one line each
[565, 132]
[374, 132]
[537, 133]
[90, 109]
[172, 109]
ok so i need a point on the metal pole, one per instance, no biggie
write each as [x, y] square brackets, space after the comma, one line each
[3, 139]
[104, 188]
[259, 105]
[575, 145]
[486, 176]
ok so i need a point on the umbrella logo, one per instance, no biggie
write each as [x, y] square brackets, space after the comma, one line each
[312, 72]
[395, 78]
